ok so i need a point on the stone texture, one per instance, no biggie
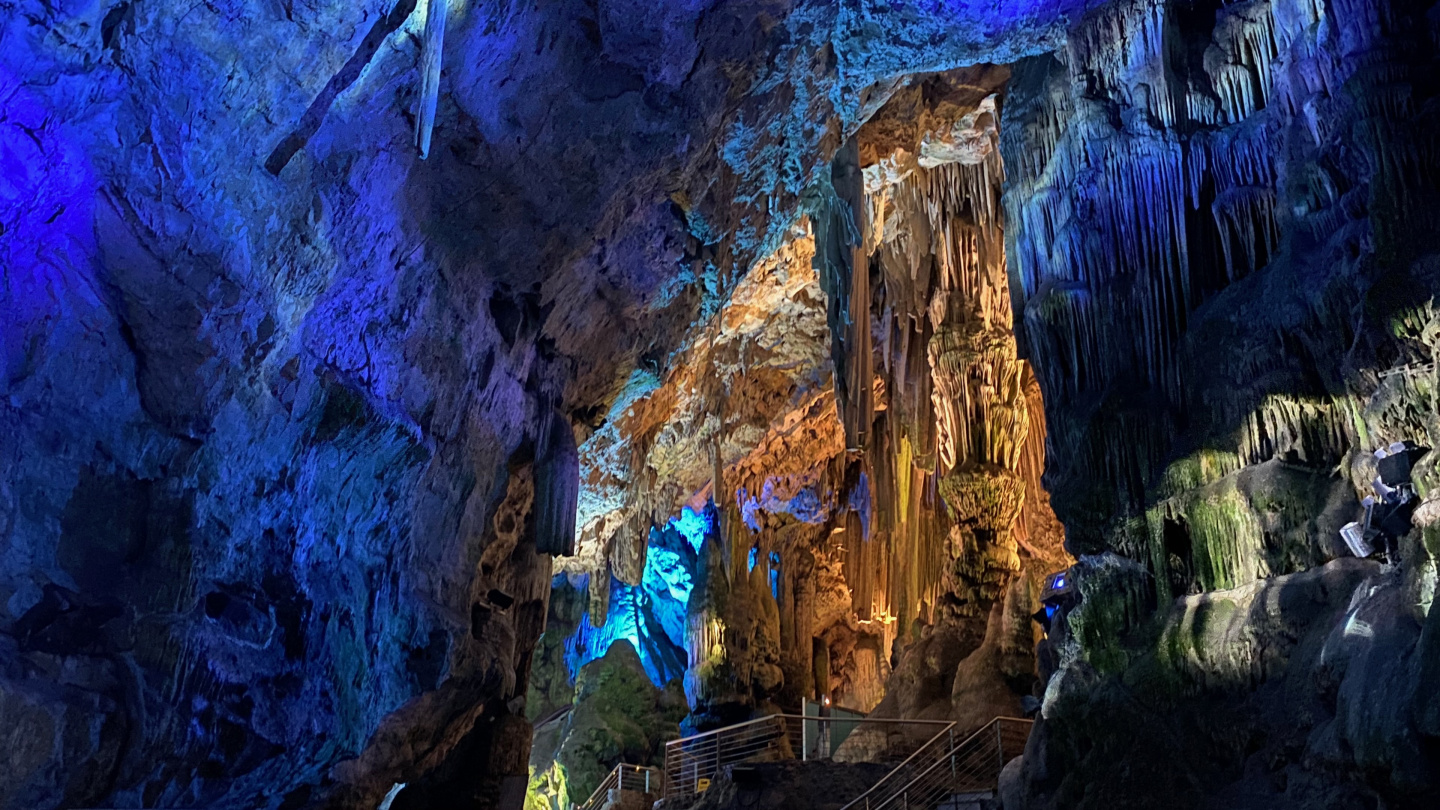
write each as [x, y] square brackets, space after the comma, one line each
[617, 716]
[272, 389]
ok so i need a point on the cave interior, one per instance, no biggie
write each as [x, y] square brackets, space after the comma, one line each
[413, 404]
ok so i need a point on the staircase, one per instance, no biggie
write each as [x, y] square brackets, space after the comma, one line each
[693, 762]
[932, 770]
[945, 775]
[642, 783]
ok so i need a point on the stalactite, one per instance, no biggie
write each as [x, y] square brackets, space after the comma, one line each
[1314, 431]
[943, 303]
[1117, 46]
[1245, 216]
[1238, 63]
[884, 474]
[859, 570]
[1136, 230]
[430, 62]
[557, 488]
[1109, 217]
[599, 593]
[843, 266]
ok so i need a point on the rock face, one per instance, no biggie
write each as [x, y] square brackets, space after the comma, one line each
[1191, 253]
[1205, 232]
[1282, 693]
[618, 716]
[278, 398]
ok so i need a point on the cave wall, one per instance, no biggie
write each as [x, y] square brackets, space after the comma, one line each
[278, 394]
[273, 385]
[1208, 261]
[1223, 255]
[259, 432]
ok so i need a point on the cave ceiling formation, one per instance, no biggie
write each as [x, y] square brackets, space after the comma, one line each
[787, 305]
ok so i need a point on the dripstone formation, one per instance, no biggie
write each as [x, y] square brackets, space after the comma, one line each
[437, 403]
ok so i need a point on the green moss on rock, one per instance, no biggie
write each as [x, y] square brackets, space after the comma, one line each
[1265, 520]
[1116, 599]
[618, 716]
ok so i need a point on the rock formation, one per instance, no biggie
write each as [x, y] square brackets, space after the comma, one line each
[1226, 322]
[321, 322]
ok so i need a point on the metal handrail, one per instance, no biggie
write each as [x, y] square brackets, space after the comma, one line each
[702, 756]
[973, 765]
[625, 777]
[947, 733]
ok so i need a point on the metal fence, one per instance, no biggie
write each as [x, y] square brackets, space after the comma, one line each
[635, 778]
[945, 773]
[691, 763]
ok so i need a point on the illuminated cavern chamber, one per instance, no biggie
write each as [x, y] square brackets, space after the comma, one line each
[860, 451]
[278, 478]
[1185, 256]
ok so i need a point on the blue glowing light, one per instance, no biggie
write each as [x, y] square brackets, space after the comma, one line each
[650, 616]
[666, 574]
[693, 525]
[860, 502]
[621, 623]
[754, 555]
[775, 573]
[749, 509]
[806, 506]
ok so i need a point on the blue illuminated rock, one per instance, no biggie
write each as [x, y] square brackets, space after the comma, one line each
[271, 386]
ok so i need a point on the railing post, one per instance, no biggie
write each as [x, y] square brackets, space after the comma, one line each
[999, 748]
[951, 735]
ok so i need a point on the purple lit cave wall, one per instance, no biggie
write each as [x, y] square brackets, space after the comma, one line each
[290, 517]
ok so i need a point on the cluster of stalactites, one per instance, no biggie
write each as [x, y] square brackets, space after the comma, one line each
[1122, 225]
[942, 262]
[979, 400]
[952, 416]
[1231, 83]
[940, 249]
[1104, 224]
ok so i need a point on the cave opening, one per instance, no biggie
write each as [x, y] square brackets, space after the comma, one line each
[854, 459]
